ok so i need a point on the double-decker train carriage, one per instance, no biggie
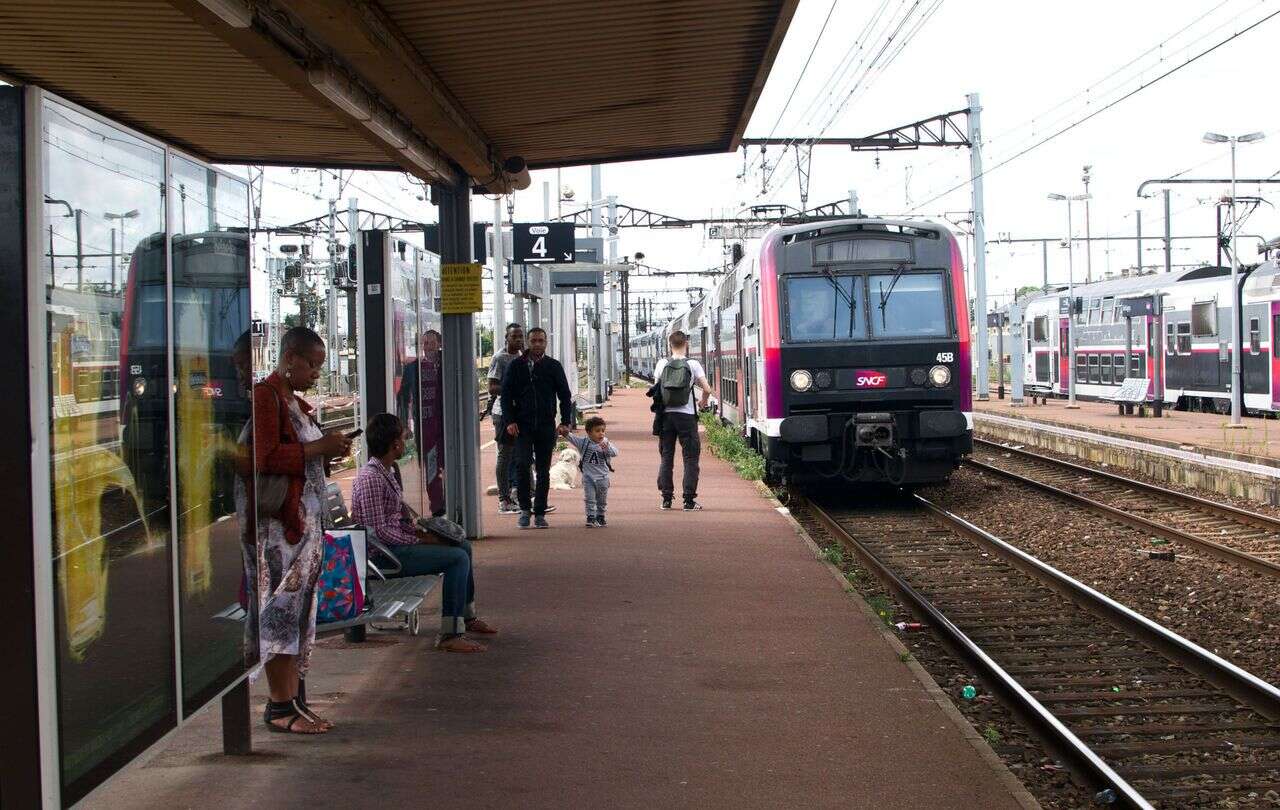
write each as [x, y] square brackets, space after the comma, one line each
[1189, 343]
[841, 349]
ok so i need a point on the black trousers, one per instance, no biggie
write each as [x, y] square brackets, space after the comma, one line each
[681, 427]
[534, 449]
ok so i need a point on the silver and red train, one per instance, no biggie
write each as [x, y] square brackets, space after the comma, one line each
[841, 350]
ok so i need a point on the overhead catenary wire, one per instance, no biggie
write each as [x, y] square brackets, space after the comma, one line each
[1041, 142]
[1131, 68]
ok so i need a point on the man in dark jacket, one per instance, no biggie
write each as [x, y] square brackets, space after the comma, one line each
[531, 388]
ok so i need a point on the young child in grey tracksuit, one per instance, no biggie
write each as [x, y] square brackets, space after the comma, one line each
[595, 451]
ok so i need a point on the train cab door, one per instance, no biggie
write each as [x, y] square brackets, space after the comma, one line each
[1064, 360]
[744, 369]
[1275, 355]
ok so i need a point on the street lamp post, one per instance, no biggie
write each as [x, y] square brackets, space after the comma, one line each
[1237, 382]
[1071, 300]
[122, 217]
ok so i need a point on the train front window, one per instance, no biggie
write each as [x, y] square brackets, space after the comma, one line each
[910, 305]
[824, 308]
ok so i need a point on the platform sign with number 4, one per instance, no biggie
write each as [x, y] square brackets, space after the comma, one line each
[542, 243]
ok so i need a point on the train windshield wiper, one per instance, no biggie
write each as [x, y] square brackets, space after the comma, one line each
[884, 294]
[835, 285]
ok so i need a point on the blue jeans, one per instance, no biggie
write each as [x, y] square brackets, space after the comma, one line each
[457, 603]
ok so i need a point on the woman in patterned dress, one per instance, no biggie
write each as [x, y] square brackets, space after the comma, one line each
[288, 442]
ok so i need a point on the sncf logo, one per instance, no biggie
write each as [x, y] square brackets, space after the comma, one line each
[870, 379]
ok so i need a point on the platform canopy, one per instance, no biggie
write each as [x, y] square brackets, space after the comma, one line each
[443, 89]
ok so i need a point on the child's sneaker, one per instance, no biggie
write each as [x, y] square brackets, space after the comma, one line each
[600, 521]
[666, 503]
[523, 521]
[591, 522]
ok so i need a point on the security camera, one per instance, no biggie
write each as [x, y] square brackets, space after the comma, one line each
[566, 191]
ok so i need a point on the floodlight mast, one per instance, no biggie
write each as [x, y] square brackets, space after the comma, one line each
[1237, 340]
[1071, 300]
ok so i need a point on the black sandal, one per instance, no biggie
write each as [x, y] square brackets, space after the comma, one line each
[289, 709]
[307, 711]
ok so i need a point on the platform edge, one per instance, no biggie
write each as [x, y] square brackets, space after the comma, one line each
[1006, 777]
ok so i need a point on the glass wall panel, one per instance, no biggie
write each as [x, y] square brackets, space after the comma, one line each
[212, 367]
[405, 368]
[104, 260]
[431, 380]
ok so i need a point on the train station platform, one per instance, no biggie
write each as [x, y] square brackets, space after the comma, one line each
[673, 659]
[1193, 449]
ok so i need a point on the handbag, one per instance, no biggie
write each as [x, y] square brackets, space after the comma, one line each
[271, 489]
[340, 587]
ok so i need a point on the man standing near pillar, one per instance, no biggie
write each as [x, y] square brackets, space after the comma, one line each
[505, 444]
[531, 387]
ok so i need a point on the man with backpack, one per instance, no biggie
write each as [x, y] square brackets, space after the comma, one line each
[676, 377]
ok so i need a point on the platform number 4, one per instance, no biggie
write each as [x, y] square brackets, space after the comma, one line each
[539, 247]
[946, 357]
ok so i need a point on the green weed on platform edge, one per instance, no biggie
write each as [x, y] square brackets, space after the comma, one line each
[727, 444]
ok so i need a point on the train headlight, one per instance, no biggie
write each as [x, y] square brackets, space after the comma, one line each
[801, 380]
[940, 376]
[139, 386]
[919, 376]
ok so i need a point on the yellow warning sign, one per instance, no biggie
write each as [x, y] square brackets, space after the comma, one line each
[460, 292]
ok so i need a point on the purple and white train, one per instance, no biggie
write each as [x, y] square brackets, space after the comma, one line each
[1187, 347]
[840, 349]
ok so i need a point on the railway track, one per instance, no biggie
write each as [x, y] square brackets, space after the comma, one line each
[1139, 715]
[1224, 531]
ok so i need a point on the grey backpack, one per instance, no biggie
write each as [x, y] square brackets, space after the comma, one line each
[677, 382]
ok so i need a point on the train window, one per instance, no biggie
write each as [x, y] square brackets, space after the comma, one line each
[911, 305]
[1184, 338]
[1204, 318]
[1094, 371]
[1104, 363]
[824, 308]
[1054, 367]
[1135, 365]
[862, 250]
[1118, 365]
[1108, 305]
[1082, 368]
[1040, 328]
[1170, 341]
[1255, 336]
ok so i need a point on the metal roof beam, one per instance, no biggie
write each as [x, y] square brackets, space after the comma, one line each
[274, 42]
[362, 35]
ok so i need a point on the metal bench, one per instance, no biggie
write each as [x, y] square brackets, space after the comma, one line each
[396, 600]
[1133, 391]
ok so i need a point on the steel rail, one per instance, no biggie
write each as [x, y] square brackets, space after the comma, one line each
[1218, 550]
[1108, 786]
[1087, 766]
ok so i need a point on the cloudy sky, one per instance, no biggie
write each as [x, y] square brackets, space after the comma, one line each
[1040, 68]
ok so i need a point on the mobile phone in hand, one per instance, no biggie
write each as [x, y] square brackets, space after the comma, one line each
[353, 434]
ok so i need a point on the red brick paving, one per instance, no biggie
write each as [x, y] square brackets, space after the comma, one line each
[672, 659]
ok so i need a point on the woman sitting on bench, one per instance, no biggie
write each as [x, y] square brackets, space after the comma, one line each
[377, 503]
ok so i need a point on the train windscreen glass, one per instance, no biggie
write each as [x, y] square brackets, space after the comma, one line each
[824, 308]
[908, 305]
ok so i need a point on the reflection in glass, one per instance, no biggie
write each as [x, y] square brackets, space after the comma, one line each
[212, 409]
[824, 308]
[431, 382]
[913, 305]
[104, 281]
[402, 273]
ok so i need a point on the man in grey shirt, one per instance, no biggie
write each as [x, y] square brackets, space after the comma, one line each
[505, 444]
